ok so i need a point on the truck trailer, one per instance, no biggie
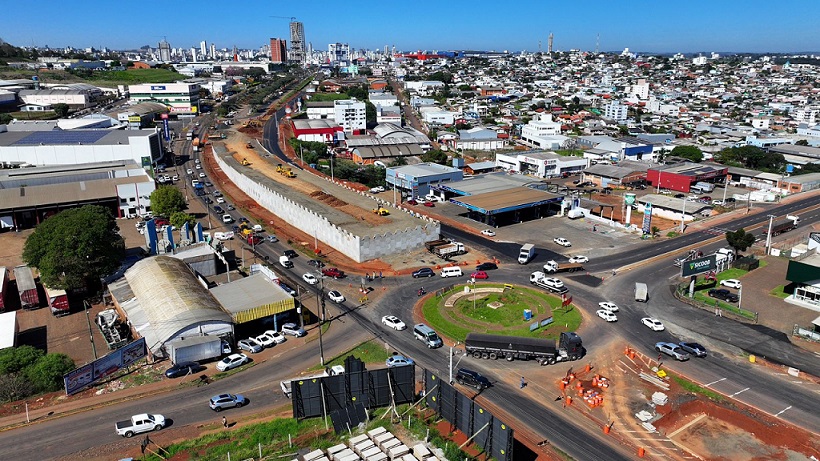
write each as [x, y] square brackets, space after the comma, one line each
[194, 349]
[492, 347]
[434, 243]
[26, 287]
[781, 226]
[552, 266]
[57, 301]
[551, 284]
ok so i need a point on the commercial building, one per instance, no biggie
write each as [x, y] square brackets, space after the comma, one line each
[181, 98]
[622, 174]
[615, 111]
[682, 176]
[541, 164]
[77, 96]
[278, 50]
[541, 127]
[804, 286]
[339, 53]
[478, 139]
[416, 180]
[317, 130]
[318, 110]
[350, 114]
[800, 183]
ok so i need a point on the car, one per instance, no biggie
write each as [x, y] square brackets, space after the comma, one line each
[717, 202]
[488, 233]
[693, 349]
[730, 200]
[608, 306]
[672, 350]
[310, 279]
[272, 238]
[200, 192]
[579, 259]
[198, 166]
[209, 184]
[265, 340]
[293, 330]
[223, 401]
[724, 294]
[249, 345]
[208, 200]
[429, 204]
[606, 315]
[161, 222]
[231, 207]
[334, 272]
[291, 254]
[376, 190]
[183, 369]
[175, 178]
[197, 161]
[576, 181]
[190, 171]
[706, 199]
[393, 322]
[218, 209]
[652, 323]
[220, 200]
[336, 297]
[680, 195]
[316, 263]
[398, 361]
[562, 241]
[201, 175]
[227, 219]
[278, 338]
[553, 282]
[731, 283]
[288, 288]
[423, 272]
[486, 266]
[472, 378]
[479, 275]
[412, 202]
[216, 193]
[232, 361]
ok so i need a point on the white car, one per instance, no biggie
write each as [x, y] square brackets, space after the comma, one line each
[562, 241]
[190, 171]
[553, 282]
[310, 279]
[652, 323]
[266, 340]
[717, 202]
[336, 297]
[220, 200]
[488, 233]
[232, 361]
[606, 315]
[393, 322]
[398, 361]
[278, 338]
[579, 259]
[201, 175]
[731, 283]
[175, 177]
[376, 190]
[198, 166]
[608, 306]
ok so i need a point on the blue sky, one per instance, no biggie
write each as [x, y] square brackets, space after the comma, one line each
[641, 25]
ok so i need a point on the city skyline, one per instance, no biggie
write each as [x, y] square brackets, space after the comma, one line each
[726, 26]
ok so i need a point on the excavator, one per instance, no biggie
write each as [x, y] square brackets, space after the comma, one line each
[245, 162]
[381, 211]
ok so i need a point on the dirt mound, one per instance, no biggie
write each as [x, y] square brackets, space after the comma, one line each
[327, 198]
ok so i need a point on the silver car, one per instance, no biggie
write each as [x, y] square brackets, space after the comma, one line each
[672, 350]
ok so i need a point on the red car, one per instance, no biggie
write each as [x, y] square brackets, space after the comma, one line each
[479, 275]
[161, 222]
[411, 202]
[333, 272]
[430, 204]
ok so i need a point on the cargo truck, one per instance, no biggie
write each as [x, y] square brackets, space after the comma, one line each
[4, 288]
[332, 371]
[57, 301]
[434, 243]
[492, 347]
[26, 287]
[452, 249]
[780, 227]
[194, 349]
[554, 285]
[526, 253]
[552, 266]
[641, 292]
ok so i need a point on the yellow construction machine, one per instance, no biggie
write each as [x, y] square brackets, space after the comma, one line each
[381, 211]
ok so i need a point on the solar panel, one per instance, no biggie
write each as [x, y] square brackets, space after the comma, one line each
[61, 137]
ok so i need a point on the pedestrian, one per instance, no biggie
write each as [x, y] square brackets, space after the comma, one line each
[717, 311]
[523, 383]
[594, 228]
[720, 313]
[659, 358]
[225, 422]
[380, 275]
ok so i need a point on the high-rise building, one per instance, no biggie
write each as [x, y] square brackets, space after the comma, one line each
[278, 50]
[213, 51]
[297, 41]
[203, 48]
[339, 53]
[164, 51]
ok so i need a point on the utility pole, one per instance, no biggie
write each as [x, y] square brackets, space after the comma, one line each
[769, 234]
[90, 333]
[320, 297]
[682, 215]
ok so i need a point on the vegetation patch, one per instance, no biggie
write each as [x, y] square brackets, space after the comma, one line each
[696, 389]
[368, 352]
[778, 292]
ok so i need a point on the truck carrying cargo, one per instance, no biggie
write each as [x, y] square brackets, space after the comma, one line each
[484, 346]
[57, 301]
[526, 253]
[452, 249]
[781, 226]
[332, 371]
[4, 287]
[552, 266]
[641, 292]
[194, 349]
[434, 243]
[26, 287]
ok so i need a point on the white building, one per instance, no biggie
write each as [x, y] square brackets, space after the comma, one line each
[535, 132]
[436, 116]
[640, 90]
[389, 114]
[479, 139]
[541, 164]
[181, 98]
[805, 115]
[383, 99]
[615, 111]
[350, 114]
[75, 98]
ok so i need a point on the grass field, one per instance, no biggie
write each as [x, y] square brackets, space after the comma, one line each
[368, 352]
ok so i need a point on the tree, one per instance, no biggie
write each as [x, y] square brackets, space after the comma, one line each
[370, 113]
[61, 109]
[167, 200]
[690, 153]
[14, 386]
[434, 156]
[802, 142]
[740, 240]
[400, 161]
[179, 219]
[75, 248]
[47, 373]
[17, 359]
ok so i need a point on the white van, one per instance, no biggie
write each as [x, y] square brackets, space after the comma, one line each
[451, 272]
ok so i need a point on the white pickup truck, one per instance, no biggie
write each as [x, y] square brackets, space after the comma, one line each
[139, 424]
[333, 371]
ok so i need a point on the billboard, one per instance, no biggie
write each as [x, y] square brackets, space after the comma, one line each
[699, 266]
[647, 218]
[86, 375]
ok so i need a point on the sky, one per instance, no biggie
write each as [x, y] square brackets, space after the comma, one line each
[656, 26]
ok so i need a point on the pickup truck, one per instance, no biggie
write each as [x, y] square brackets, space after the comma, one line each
[286, 386]
[140, 423]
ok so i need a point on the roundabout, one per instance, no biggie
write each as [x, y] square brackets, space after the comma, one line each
[498, 309]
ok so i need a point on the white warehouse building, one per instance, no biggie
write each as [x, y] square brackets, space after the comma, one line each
[541, 164]
[181, 98]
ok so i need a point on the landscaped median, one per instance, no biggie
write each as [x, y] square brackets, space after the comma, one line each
[702, 299]
[498, 312]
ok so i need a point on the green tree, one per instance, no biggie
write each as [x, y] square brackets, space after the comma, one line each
[399, 161]
[167, 200]
[179, 219]
[61, 109]
[17, 359]
[691, 153]
[46, 375]
[370, 113]
[434, 156]
[75, 248]
[802, 142]
[740, 240]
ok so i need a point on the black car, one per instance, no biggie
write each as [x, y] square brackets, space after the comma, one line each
[486, 267]
[472, 378]
[680, 195]
[724, 294]
[423, 272]
[730, 200]
[693, 348]
[183, 369]
[208, 200]
[291, 254]
[218, 209]
[316, 263]
[200, 192]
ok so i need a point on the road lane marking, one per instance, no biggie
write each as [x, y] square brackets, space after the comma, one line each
[738, 392]
[713, 382]
[782, 411]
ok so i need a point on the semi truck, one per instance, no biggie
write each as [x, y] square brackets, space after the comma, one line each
[194, 349]
[641, 292]
[552, 266]
[4, 287]
[545, 351]
[554, 285]
[781, 226]
[452, 249]
[526, 253]
[26, 287]
[332, 371]
[434, 243]
[57, 301]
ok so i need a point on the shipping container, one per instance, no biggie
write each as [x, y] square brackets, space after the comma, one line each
[194, 349]
[4, 288]
[26, 287]
[57, 300]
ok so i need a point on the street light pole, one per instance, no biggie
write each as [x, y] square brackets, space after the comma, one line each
[769, 235]
[90, 333]
[682, 216]
[321, 305]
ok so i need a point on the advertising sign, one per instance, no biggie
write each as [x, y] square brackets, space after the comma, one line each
[104, 366]
[157, 87]
[647, 218]
[134, 119]
[629, 198]
[165, 129]
[699, 266]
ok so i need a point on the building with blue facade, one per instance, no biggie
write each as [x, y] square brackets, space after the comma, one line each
[416, 180]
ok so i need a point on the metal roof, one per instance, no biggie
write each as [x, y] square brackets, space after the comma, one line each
[672, 203]
[495, 182]
[507, 200]
[252, 298]
[8, 329]
[56, 194]
[401, 150]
